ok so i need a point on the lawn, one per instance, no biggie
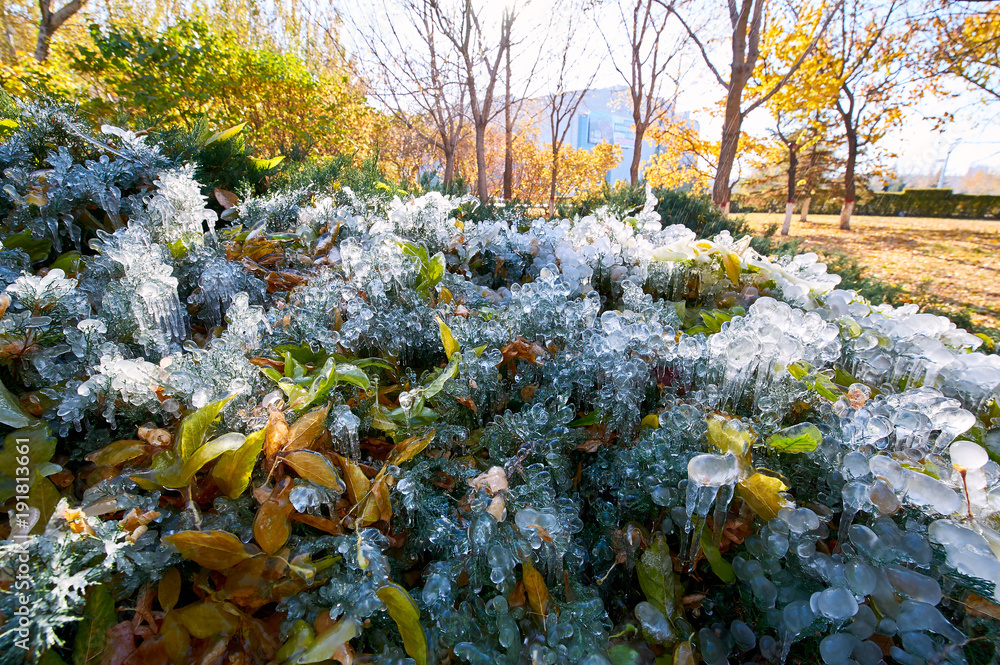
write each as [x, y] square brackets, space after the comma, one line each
[949, 265]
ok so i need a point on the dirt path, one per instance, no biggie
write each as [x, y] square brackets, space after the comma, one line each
[952, 264]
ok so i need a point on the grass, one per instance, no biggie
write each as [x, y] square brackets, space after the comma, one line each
[947, 266]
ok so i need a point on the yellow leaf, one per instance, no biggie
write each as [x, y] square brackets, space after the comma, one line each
[169, 589]
[732, 264]
[307, 429]
[761, 493]
[233, 469]
[118, 452]
[206, 619]
[410, 448]
[313, 466]
[652, 420]
[447, 339]
[535, 589]
[215, 550]
[329, 641]
[404, 612]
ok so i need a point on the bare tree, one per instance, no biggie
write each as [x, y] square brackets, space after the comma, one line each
[562, 104]
[746, 20]
[416, 75]
[50, 22]
[649, 58]
[480, 55]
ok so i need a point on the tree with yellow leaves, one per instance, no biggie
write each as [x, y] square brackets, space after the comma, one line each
[683, 159]
[966, 45]
[745, 28]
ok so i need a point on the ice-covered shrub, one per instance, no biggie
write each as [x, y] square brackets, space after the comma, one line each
[344, 427]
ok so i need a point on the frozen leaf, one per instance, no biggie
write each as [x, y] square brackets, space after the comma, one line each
[763, 494]
[44, 497]
[731, 262]
[233, 469]
[307, 429]
[195, 427]
[91, 635]
[330, 641]
[447, 339]
[411, 447]
[722, 568]
[11, 411]
[215, 550]
[313, 466]
[534, 589]
[404, 612]
[801, 438]
[302, 636]
[656, 577]
[35, 442]
[169, 589]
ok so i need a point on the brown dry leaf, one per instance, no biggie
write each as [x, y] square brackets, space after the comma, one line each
[226, 198]
[517, 597]
[590, 445]
[492, 480]
[271, 527]
[276, 436]
[980, 607]
[307, 429]
[120, 644]
[467, 403]
[528, 393]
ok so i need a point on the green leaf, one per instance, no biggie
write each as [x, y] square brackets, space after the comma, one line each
[437, 385]
[266, 164]
[36, 249]
[447, 339]
[195, 427]
[68, 262]
[656, 577]
[41, 446]
[722, 568]
[179, 477]
[353, 375]
[225, 134]
[11, 411]
[801, 438]
[404, 612]
[233, 469]
[50, 657]
[98, 615]
[43, 496]
[592, 418]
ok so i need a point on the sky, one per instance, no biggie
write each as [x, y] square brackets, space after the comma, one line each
[972, 139]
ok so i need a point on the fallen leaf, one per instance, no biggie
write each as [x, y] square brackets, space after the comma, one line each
[534, 589]
[762, 493]
[215, 550]
[404, 612]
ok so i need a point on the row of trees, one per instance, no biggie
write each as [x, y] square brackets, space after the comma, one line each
[461, 86]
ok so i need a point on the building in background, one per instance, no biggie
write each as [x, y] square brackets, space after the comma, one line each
[605, 115]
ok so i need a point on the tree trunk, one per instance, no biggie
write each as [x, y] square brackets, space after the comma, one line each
[805, 209]
[449, 166]
[482, 186]
[849, 188]
[793, 162]
[633, 169]
[508, 157]
[42, 45]
[553, 182]
[730, 143]
[50, 22]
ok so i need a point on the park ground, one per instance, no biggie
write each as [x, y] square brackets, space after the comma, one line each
[948, 266]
